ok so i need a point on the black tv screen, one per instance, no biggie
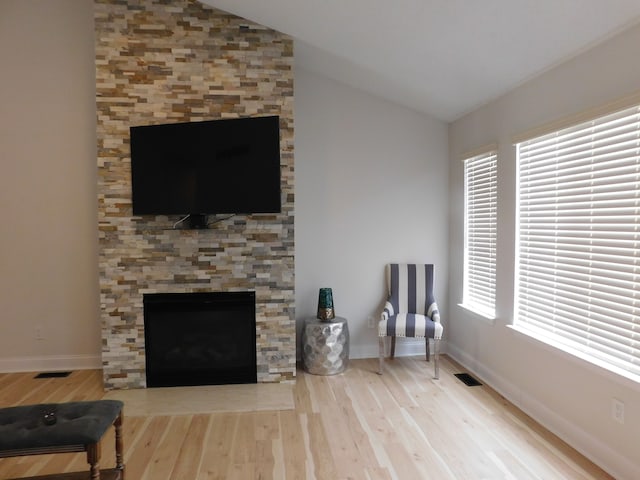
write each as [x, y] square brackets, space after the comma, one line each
[220, 166]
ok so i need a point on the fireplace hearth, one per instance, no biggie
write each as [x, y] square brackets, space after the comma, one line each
[200, 338]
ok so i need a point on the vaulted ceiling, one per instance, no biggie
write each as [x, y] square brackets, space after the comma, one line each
[441, 57]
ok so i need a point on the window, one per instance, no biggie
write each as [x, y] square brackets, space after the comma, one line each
[578, 246]
[480, 199]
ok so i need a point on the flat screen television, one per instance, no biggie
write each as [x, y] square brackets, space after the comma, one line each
[229, 166]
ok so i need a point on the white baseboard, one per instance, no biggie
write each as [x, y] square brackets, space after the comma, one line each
[51, 363]
[593, 448]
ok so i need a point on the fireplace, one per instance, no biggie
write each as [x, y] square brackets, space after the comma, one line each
[141, 255]
[200, 338]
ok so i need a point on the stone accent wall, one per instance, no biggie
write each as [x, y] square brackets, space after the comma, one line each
[161, 61]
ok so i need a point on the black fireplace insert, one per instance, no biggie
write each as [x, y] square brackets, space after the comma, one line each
[200, 338]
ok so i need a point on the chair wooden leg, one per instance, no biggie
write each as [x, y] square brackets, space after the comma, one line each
[436, 358]
[426, 342]
[380, 354]
[392, 352]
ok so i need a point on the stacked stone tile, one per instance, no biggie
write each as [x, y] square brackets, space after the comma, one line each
[160, 61]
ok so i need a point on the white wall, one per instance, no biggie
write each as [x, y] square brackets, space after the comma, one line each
[370, 182]
[371, 188]
[48, 246]
[568, 396]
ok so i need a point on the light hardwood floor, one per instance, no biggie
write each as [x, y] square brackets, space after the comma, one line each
[357, 425]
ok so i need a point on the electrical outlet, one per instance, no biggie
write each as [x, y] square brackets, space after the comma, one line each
[617, 410]
[370, 322]
[39, 332]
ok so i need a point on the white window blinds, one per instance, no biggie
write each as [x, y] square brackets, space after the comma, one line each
[480, 189]
[578, 250]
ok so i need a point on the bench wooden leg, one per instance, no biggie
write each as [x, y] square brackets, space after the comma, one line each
[93, 457]
[119, 445]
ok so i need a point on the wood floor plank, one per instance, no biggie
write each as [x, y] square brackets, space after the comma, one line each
[18, 467]
[16, 391]
[356, 425]
[343, 444]
[511, 465]
[295, 461]
[145, 446]
[378, 473]
[267, 436]
[190, 449]
[217, 448]
[359, 430]
[302, 397]
[265, 460]
[165, 456]
[318, 454]
[243, 448]
[58, 463]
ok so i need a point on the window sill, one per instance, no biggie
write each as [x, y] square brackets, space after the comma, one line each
[480, 316]
[579, 358]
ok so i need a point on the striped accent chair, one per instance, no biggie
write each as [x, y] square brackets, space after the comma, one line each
[410, 309]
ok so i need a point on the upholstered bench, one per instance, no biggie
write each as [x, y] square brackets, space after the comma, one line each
[62, 428]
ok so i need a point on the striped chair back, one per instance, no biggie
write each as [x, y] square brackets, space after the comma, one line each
[410, 287]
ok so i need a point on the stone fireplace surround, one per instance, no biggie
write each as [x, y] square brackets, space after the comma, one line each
[161, 61]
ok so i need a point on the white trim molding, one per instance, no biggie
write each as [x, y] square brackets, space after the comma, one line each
[50, 363]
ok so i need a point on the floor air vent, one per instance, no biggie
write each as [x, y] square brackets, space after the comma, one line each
[467, 379]
[53, 375]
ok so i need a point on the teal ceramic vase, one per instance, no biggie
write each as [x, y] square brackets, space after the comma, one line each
[325, 305]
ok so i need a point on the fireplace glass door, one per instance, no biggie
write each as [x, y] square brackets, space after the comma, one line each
[200, 338]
